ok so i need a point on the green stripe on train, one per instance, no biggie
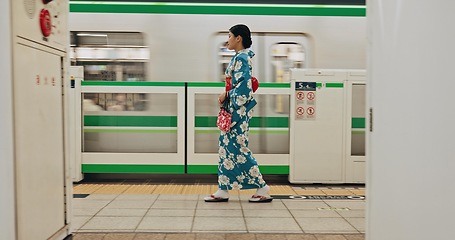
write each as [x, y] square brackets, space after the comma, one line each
[213, 169]
[136, 84]
[130, 168]
[268, 122]
[218, 8]
[130, 121]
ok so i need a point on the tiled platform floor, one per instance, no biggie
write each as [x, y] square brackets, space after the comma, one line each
[121, 212]
[211, 236]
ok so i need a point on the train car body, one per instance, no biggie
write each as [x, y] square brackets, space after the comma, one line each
[183, 44]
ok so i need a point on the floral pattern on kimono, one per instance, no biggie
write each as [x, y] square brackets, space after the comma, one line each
[237, 168]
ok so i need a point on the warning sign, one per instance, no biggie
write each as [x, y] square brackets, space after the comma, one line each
[310, 111]
[300, 95]
[310, 98]
[310, 95]
[299, 113]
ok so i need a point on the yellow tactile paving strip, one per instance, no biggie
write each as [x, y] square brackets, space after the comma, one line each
[312, 192]
[89, 188]
[140, 189]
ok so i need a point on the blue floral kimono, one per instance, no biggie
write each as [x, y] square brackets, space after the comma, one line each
[238, 168]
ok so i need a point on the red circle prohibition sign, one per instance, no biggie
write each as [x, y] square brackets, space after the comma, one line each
[300, 95]
[300, 111]
[310, 95]
[310, 111]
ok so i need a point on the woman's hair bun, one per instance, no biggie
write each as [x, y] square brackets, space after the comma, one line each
[244, 31]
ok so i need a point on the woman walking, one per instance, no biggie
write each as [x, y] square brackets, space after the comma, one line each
[238, 169]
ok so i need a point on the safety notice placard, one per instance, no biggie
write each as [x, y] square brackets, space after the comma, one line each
[305, 100]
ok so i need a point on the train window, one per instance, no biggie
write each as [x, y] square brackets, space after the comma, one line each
[276, 53]
[224, 55]
[285, 55]
[110, 56]
[224, 58]
[130, 122]
[106, 39]
[114, 102]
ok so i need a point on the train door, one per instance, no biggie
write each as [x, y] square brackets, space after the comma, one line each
[275, 55]
[224, 55]
[283, 52]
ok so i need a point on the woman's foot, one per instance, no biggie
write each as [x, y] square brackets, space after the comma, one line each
[262, 195]
[219, 196]
[260, 199]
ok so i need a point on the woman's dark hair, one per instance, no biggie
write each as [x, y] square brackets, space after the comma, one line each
[244, 32]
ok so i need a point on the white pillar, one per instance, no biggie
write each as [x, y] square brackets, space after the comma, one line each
[7, 206]
[411, 150]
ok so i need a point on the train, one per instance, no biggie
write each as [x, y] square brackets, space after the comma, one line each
[155, 47]
[186, 46]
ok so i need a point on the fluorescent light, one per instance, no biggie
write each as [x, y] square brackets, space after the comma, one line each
[91, 35]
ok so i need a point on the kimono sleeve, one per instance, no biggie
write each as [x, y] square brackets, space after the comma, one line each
[242, 91]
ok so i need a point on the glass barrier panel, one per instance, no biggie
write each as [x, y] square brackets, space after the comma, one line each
[358, 120]
[130, 122]
[269, 127]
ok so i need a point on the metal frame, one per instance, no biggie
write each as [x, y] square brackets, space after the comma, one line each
[142, 158]
[212, 159]
[355, 166]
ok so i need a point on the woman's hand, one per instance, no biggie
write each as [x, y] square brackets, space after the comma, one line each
[222, 97]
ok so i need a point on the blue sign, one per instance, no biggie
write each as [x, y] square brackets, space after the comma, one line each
[305, 86]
